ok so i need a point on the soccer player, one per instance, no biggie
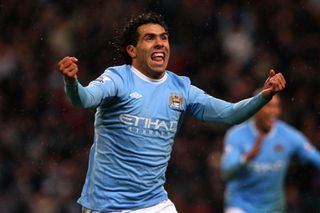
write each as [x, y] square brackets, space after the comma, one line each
[139, 109]
[255, 161]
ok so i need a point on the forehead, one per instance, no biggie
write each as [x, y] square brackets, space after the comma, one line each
[151, 28]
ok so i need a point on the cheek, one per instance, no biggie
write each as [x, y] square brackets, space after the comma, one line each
[142, 50]
[147, 54]
[274, 112]
[143, 56]
[278, 112]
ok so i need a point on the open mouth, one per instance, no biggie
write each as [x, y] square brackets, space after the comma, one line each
[158, 56]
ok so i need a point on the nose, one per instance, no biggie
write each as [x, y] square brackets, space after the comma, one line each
[159, 43]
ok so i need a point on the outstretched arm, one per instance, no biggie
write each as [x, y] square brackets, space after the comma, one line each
[304, 148]
[211, 109]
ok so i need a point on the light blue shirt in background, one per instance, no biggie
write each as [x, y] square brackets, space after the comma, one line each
[257, 186]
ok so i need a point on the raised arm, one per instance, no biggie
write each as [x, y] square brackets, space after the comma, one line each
[69, 69]
[210, 109]
[304, 149]
[85, 97]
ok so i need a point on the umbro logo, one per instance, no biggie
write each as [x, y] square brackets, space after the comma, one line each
[135, 95]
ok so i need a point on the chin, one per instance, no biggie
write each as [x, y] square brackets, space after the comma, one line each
[158, 68]
[268, 129]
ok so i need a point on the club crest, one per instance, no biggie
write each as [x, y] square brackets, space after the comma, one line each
[279, 147]
[176, 101]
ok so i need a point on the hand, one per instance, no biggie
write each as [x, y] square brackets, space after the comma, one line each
[69, 68]
[255, 149]
[274, 84]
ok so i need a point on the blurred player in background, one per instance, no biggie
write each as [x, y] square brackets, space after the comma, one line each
[139, 109]
[256, 158]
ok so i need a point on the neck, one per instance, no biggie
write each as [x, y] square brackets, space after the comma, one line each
[153, 74]
[261, 129]
[146, 78]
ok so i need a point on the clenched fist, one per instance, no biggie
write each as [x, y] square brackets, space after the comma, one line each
[69, 68]
[274, 84]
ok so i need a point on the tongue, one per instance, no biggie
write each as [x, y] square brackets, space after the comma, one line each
[157, 58]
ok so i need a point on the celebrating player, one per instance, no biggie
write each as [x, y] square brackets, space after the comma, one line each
[139, 109]
[256, 157]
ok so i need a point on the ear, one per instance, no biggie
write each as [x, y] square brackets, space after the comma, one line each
[131, 50]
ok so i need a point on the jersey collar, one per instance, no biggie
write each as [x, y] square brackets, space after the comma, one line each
[147, 79]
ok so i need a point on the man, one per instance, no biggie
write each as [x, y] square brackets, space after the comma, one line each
[256, 158]
[140, 107]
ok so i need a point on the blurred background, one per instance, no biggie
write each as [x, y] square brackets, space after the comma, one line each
[226, 47]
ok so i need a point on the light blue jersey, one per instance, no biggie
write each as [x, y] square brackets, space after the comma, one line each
[136, 121]
[258, 185]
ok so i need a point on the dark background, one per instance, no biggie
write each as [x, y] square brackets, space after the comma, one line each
[226, 47]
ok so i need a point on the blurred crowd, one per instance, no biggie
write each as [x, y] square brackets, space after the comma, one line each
[226, 47]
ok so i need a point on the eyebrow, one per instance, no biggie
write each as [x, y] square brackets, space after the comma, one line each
[154, 34]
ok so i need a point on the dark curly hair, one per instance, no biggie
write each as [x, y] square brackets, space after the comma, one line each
[130, 36]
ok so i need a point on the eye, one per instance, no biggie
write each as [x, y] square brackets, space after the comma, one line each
[149, 37]
[164, 37]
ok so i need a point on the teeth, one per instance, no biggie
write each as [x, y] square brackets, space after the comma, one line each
[158, 55]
